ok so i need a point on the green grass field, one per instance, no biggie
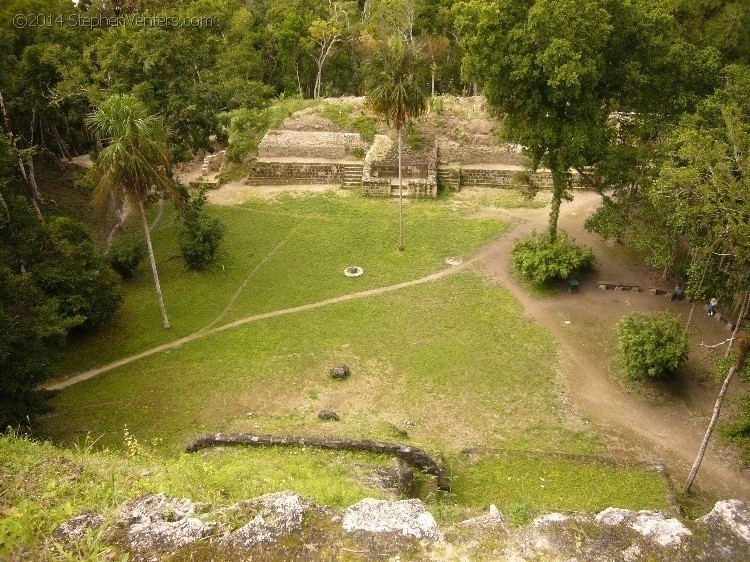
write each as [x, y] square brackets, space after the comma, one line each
[451, 365]
[303, 244]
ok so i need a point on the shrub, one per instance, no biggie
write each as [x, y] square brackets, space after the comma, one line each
[70, 270]
[199, 235]
[539, 260]
[651, 345]
[125, 255]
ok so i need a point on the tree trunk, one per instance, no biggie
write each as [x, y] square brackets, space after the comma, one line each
[740, 318]
[5, 208]
[709, 431]
[432, 76]
[318, 80]
[558, 191]
[147, 232]
[19, 160]
[400, 199]
[700, 285]
[63, 151]
[299, 82]
[32, 179]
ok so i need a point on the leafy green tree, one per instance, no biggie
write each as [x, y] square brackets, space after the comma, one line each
[199, 235]
[68, 269]
[539, 259]
[125, 254]
[133, 163]
[394, 94]
[31, 332]
[324, 34]
[558, 70]
[719, 23]
[651, 345]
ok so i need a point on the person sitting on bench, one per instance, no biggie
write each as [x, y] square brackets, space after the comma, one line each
[679, 292]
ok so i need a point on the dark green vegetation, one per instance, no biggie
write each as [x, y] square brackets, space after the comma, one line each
[652, 345]
[53, 282]
[125, 254]
[636, 96]
[539, 260]
[199, 234]
[560, 70]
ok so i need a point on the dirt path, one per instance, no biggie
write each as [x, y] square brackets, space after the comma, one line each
[582, 324]
[204, 333]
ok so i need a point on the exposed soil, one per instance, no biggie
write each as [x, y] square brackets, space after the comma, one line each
[670, 417]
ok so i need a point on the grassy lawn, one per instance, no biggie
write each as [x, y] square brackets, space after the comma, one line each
[452, 365]
[303, 244]
[44, 485]
[521, 485]
[447, 365]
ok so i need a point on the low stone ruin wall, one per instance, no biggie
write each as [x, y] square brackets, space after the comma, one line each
[311, 144]
[489, 177]
[290, 173]
[391, 171]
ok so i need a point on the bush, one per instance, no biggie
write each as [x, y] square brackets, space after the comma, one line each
[32, 331]
[199, 235]
[539, 260]
[70, 271]
[125, 255]
[651, 345]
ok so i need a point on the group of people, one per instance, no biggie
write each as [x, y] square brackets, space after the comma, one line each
[679, 294]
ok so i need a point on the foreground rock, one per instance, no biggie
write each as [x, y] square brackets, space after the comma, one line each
[161, 524]
[277, 515]
[408, 518]
[284, 526]
[75, 529]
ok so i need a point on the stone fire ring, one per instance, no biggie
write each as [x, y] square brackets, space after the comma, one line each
[453, 260]
[353, 271]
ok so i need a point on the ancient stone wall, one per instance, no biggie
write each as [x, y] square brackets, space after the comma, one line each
[491, 177]
[311, 144]
[380, 170]
[281, 173]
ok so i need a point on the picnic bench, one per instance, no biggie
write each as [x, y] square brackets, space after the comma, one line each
[660, 291]
[604, 285]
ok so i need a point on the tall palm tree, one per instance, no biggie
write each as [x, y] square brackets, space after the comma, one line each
[133, 163]
[394, 94]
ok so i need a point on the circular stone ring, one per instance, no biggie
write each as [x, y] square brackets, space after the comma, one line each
[453, 260]
[353, 271]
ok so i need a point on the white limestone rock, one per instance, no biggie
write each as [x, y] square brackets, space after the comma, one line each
[668, 532]
[408, 518]
[279, 514]
[733, 515]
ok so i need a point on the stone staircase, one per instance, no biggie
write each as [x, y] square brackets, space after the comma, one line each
[449, 176]
[351, 176]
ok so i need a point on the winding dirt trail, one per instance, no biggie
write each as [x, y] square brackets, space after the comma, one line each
[204, 332]
[581, 323]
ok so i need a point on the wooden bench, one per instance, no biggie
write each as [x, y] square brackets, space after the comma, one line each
[604, 285]
[660, 291]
